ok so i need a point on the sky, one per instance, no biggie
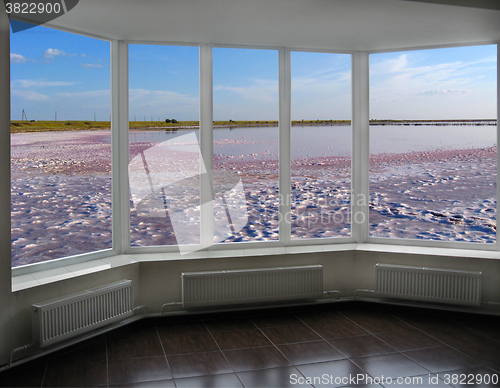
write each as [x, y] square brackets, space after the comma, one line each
[54, 71]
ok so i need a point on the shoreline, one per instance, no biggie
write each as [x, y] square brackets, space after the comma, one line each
[18, 126]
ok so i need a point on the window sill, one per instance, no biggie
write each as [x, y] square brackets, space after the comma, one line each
[35, 279]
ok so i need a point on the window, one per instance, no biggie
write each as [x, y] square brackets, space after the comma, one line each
[61, 179]
[245, 147]
[432, 147]
[321, 145]
[164, 152]
[433, 150]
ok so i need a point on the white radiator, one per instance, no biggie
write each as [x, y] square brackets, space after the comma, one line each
[214, 288]
[75, 314]
[428, 284]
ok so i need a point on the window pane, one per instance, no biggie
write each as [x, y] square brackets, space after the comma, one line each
[60, 145]
[321, 145]
[164, 148]
[246, 112]
[433, 167]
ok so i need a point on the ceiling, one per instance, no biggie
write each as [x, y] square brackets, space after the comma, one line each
[344, 25]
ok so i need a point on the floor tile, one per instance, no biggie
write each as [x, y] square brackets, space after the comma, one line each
[409, 340]
[340, 327]
[135, 332]
[138, 370]
[331, 374]
[185, 328]
[225, 380]
[218, 326]
[472, 343]
[420, 321]
[377, 322]
[390, 365]
[365, 345]
[24, 376]
[441, 359]
[241, 339]
[256, 358]
[290, 334]
[146, 384]
[183, 344]
[276, 377]
[92, 351]
[319, 316]
[488, 326]
[310, 352]
[276, 320]
[316, 339]
[73, 373]
[454, 335]
[124, 349]
[198, 364]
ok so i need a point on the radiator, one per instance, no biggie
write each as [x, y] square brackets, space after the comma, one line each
[72, 315]
[429, 284]
[214, 288]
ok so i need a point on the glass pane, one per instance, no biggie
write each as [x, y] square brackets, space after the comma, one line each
[60, 145]
[321, 145]
[246, 112]
[164, 148]
[433, 151]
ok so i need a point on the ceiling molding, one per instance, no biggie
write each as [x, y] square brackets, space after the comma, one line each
[484, 4]
[336, 25]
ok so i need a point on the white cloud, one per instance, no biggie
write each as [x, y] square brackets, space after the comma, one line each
[87, 94]
[25, 83]
[90, 65]
[51, 53]
[164, 103]
[443, 91]
[261, 90]
[17, 58]
[409, 86]
[29, 95]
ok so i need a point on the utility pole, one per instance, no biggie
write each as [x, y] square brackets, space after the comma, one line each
[23, 116]
[55, 116]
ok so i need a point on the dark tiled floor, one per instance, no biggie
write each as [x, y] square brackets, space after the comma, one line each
[335, 345]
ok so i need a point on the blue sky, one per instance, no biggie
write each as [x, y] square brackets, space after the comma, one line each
[57, 71]
[451, 83]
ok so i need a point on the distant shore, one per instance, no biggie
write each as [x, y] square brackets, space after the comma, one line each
[18, 126]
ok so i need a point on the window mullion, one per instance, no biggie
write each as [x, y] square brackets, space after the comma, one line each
[285, 106]
[360, 191]
[498, 143]
[119, 147]
[206, 146]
